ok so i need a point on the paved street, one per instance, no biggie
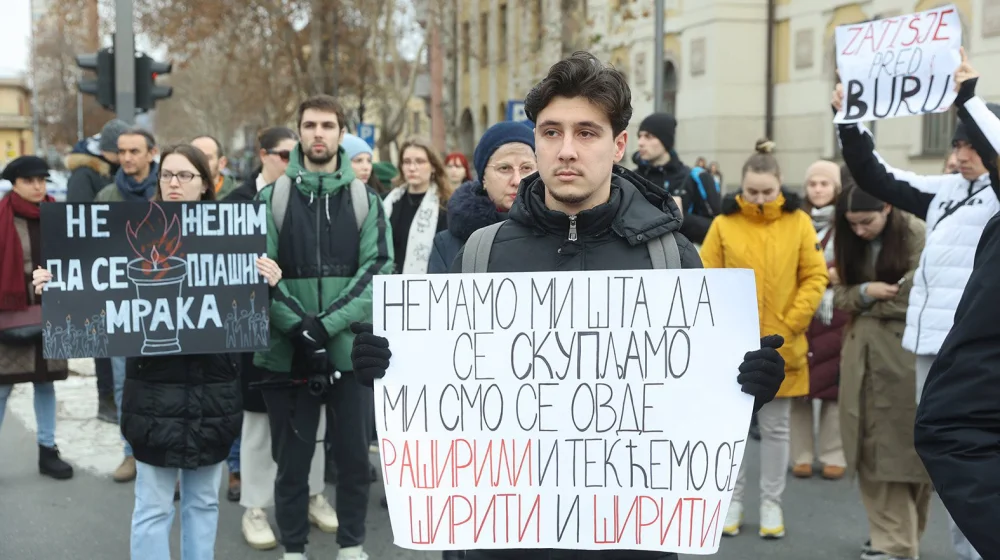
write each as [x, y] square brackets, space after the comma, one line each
[88, 517]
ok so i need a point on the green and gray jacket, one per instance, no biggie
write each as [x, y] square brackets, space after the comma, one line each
[327, 265]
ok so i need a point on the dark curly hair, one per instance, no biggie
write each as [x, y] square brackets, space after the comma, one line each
[584, 75]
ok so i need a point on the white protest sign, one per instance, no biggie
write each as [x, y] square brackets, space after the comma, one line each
[899, 66]
[588, 410]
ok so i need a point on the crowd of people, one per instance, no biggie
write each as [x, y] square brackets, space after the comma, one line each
[858, 282]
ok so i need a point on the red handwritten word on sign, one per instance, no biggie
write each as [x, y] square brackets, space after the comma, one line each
[898, 66]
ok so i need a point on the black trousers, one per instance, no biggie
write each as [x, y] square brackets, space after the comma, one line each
[105, 378]
[294, 419]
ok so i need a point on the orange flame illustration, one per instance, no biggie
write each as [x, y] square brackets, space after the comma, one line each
[154, 240]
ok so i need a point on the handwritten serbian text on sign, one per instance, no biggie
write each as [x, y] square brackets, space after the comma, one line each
[152, 278]
[591, 410]
[899, 66]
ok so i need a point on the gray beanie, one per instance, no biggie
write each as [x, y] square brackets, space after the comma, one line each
[110, 133]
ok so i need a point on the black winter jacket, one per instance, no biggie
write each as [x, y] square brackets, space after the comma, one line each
[611, 236]
[182, 411]
[253, 399]
[469, 209]
[88, 175]
[676, 178]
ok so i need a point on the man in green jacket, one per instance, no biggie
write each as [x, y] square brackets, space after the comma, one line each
[328, 258]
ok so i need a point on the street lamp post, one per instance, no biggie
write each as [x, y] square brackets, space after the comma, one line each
[658, 60]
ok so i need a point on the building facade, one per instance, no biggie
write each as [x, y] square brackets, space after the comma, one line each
[715, 71]
[16, 138]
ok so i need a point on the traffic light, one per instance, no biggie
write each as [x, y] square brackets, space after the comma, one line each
[102, 87]
[147, 93]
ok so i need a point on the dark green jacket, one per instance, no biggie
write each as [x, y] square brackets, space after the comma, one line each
[327, 265]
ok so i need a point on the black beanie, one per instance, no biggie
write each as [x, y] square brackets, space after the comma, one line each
[962, 131]
[661, 125]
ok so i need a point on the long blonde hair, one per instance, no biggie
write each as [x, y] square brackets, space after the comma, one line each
[438, 175]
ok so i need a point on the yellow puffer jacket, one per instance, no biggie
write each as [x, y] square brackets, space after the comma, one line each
[777, 240]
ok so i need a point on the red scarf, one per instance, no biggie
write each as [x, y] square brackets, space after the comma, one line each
[13, 289]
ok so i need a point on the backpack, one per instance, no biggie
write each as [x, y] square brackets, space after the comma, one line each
[283, 190]
[663, 251]
[696, 175]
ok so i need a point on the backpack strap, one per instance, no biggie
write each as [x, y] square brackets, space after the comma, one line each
[359, 200]
[477, 249]
[696, 173]
[664, 253]
[280, 193]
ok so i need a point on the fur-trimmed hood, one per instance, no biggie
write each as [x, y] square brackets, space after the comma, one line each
[793, 202]
[469, 209]
[75, 161]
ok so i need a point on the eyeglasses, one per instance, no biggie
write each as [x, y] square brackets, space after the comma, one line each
[507, 170]
[182, 177]
[283, 154]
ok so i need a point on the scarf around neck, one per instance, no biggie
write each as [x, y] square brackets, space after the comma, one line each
[131, 189]
[13, 288]
[420, 239]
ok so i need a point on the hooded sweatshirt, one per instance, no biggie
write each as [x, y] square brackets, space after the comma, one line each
[327, 265]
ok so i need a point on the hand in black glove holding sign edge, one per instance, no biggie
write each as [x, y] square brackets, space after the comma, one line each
[761, 372]
[369, 355]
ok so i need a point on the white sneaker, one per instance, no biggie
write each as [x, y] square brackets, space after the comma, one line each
[322, 514]
[734, 519]
[257, 531]
[772, 520]
[293, 556]
[352, 553]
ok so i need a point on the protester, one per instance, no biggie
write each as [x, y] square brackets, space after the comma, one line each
[457, 168]
[658, 163]
[878, 251]
[417, 207]
[958, 416]
[823, 185]
[561, 220]
[258, 469]
[956, 209]
[168, 446]
[137, 171]
[93, 163]
[504, 156]
[217, 162]
[759, 222]
[334, 258]
[20, 253]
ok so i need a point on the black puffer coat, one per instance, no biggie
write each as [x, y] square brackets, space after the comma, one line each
[611, 236]
[469, 209]
[182, 411]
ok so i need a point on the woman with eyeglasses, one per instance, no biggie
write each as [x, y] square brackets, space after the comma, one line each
[505, 155]
[180, 413]
[417, 207]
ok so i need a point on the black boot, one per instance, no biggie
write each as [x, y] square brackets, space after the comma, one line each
[50, 464]
[106, 410]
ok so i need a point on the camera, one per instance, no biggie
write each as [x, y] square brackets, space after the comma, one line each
[319, 384]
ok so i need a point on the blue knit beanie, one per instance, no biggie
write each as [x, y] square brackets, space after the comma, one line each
[496, 136]
[355, 146]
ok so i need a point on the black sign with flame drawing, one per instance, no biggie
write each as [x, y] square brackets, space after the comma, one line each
[153, 278]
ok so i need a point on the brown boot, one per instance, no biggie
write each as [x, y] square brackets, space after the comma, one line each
[125, 471]
[833, 472]
[802, 470]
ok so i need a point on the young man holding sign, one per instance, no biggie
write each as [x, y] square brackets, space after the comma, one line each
[581, 212]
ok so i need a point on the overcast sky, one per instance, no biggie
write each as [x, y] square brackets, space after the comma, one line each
[15, 29]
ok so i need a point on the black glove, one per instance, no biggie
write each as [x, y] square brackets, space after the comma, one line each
[369, 355]
[311, 335]
[762, 371]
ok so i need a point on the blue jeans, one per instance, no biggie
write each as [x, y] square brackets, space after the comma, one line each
[118, 369]
[233, 461]
[154, 511]
[45, 411]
